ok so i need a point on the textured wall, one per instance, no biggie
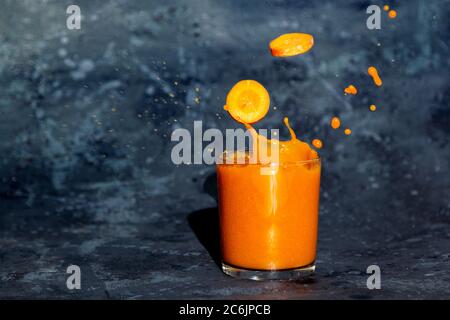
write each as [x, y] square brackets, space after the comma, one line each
[86, 118]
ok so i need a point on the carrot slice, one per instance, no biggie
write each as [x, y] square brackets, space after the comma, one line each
[248, 101]
[291, 44]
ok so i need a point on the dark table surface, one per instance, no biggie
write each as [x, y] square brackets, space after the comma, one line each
[86, 118]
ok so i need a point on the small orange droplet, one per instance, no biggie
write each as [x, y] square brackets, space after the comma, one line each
[348, 131]
[392, 14]
[385, 7]
[335, 123]
[317, 143]
[373, 72]
[373, 107]
[351, 89]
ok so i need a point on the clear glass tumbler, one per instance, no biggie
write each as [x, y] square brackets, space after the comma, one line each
[268, 222]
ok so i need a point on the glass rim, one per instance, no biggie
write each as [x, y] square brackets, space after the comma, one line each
[274, 164]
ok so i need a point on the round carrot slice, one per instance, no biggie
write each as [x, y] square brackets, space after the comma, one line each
[291, 44]
[248, 101]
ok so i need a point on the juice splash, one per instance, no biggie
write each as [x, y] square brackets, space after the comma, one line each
[373, 107]
[269, 222]
[247, 102]
[348, 131]
[317, 143]
[292, 150]
[373, 72]
[335, 123]
[351, 89]
[385, 7]
[291, 44]
[392, 14]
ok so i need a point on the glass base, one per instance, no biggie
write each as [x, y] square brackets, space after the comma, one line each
[285, 274]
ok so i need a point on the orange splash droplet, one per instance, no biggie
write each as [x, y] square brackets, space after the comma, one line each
[373, 107]
[335, 123]
[351, 89]
[317, 143]
[392, 14]
[291, 131]
[348, 131]
[385, 7]
[373, 72]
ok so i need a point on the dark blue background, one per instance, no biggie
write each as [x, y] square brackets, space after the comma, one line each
[86, 117]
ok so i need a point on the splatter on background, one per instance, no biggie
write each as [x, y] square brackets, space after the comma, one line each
[86, 118]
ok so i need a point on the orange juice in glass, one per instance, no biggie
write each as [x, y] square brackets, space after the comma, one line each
[268, 211]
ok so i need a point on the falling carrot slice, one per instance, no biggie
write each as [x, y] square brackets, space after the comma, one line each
[291, 44]
[248, 101]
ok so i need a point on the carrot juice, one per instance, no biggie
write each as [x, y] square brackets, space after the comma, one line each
[269, 221]
[268, 209]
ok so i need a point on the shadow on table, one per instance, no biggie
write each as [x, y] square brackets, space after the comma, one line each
[205, 225]
[205, 222]
[210, 186]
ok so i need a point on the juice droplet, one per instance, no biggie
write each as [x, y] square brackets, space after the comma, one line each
[317, 143]
[373, 72]
[392, 14]
[286, 122]
[351, 89]
[385, 7]
[373, 107]
[335, 123]
[348, 131]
